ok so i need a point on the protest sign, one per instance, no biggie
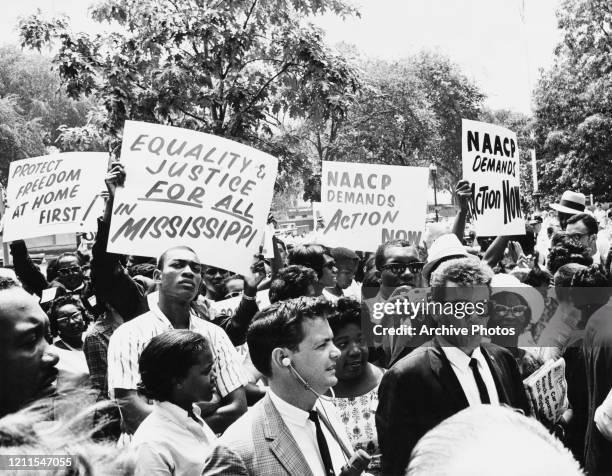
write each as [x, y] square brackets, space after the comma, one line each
[364, 205]
[189, 188]
[229, 306]
[491, 164]
[547, 391]
[53, 194]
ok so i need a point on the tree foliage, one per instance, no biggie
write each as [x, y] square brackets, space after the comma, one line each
[33, 108]
[237, 69]
[573, 104]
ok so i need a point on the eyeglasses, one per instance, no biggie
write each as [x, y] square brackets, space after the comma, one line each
[330, 265]
[578, 236]
[214, 271]
[70, 270]
[516, 311]
[233, 294]
[71, 318]
[400, 268]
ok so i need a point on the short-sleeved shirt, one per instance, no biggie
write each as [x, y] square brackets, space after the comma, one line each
[130, 338]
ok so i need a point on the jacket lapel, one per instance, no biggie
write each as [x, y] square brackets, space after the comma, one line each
[282, 443]
[497, 372]
[442, 369]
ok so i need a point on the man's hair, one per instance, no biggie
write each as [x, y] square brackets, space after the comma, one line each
[348, 312]
[311, 256]
[67, 255]
[563, 280]
[537, 277]
[590, 289]
[71, 434]
[292, 282]
[161, 260]
[65, 300]
[568, 251]
[462, 271]
[344, 256]
[281, 325]
[168, 357]
[589, 221]
[490, 439]
[380, 251]
[7, 282]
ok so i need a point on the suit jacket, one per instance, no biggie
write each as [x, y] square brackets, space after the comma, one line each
[258, 443]
[421, 390]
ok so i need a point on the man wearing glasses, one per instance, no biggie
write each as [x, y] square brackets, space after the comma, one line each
[583, 228]
[448, 373]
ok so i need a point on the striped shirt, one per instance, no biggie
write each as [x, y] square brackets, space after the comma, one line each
[130, 338]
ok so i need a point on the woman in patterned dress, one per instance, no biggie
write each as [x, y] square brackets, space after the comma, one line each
[356, 393]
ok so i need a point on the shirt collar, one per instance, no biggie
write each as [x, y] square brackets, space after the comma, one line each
[288, 412]
[460, 359]
[177, 414]
[153, 300]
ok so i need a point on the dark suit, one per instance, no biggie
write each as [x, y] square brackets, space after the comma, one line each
[421, 390]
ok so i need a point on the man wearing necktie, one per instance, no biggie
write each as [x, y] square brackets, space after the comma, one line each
[292, 430]
[449, 373]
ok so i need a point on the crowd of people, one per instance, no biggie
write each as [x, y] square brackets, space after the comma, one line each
[125, 364]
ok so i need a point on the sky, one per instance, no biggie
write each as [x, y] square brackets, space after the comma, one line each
[499, 44]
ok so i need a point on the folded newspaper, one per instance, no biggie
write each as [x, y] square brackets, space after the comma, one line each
[547, 391]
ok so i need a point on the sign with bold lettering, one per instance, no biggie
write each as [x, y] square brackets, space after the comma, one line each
[491, 164]
[189, 188]
[364, 205]
[52, 194]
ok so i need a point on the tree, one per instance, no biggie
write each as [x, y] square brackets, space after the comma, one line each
[573, 104]
[235, 69]
[33, 108]
[408, 113]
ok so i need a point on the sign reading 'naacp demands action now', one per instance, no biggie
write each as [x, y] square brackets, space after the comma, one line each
[364, 205]
[491, 164]
[57, 193]
[194, 189]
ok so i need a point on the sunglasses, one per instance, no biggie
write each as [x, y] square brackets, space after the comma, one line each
[67, 271]
[330, 265]
[516, 311]
[400, 268]
[214, 271]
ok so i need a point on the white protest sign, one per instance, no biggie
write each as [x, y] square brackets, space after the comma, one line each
[491, 163]
[229, 306]
[364, 205]
[52, 194]
[194, 189]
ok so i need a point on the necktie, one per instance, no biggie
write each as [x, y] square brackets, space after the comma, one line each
[323, 448]
[482, 388]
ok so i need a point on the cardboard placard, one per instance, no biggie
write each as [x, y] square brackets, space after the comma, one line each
[189, 188]
[491, 164]
[364, 205]
[53, 194]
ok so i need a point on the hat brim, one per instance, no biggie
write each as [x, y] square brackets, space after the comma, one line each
[426, 271]
[563, 209]
[534, 299]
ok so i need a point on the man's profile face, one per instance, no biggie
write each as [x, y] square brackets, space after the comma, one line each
[395, 270]
[28, 367]
[69, 272]
[330, 272]
[181, 276]
[317, 355]
[346, 274]
[466, 298]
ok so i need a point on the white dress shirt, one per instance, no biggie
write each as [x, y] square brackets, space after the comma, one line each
[460, 363]
[304, 433]
[168, 441]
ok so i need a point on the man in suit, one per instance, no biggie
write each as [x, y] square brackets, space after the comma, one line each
[449, 373]
[287, 432]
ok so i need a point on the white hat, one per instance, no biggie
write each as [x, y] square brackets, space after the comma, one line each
[444, 247]
[571, 202]
[506, 283]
